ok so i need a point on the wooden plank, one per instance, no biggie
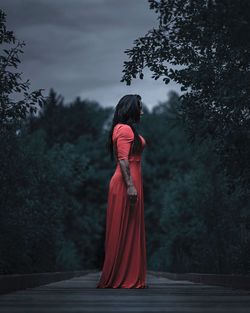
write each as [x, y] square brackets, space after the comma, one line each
[80, 294]
[235, 281]
[13, 282]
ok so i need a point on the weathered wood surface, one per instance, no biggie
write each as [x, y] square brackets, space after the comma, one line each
[80, 294]
[13, 282]
[235, 281]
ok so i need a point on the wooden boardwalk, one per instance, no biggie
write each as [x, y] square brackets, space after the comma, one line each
[163, 295]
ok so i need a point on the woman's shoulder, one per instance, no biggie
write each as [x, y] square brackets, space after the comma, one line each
[123, 129]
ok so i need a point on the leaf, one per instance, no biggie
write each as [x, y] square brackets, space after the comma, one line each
[166, 80]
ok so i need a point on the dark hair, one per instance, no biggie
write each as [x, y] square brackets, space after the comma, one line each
[127, 111]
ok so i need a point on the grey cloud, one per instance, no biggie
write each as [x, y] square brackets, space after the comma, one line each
[77, 46]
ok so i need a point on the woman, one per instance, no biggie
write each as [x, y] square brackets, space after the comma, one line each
[125, 246]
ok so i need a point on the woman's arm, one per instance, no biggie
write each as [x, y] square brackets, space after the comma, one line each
[125, 169]
[125, 137]
[131, 191]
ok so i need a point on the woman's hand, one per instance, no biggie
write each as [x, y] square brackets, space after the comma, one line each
[132, 194]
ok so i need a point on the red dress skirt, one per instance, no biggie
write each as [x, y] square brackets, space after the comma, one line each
[125, 243]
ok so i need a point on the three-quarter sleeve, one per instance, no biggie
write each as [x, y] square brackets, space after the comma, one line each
[125, 137]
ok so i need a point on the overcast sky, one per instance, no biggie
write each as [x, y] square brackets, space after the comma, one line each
[77, 47]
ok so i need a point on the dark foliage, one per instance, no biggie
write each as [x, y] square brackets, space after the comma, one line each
[55, 168]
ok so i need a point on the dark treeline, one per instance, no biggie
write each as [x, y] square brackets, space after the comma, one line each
[55, 166]
[54, 194]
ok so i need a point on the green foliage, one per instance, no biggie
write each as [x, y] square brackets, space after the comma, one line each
[66, 123]
[55, 195]
[30, 221]
[11, 81]
[67, 256]
[193, 209]
[56, 169]
[60, 203]
[204, 46]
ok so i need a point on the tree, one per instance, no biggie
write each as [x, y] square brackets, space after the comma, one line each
[203, 45]
[11, 82]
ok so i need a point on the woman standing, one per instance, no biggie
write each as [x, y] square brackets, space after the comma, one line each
[125, 244]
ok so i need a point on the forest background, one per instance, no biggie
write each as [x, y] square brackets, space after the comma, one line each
[55, 168]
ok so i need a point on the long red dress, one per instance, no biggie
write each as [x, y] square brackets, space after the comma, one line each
[125, 243]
